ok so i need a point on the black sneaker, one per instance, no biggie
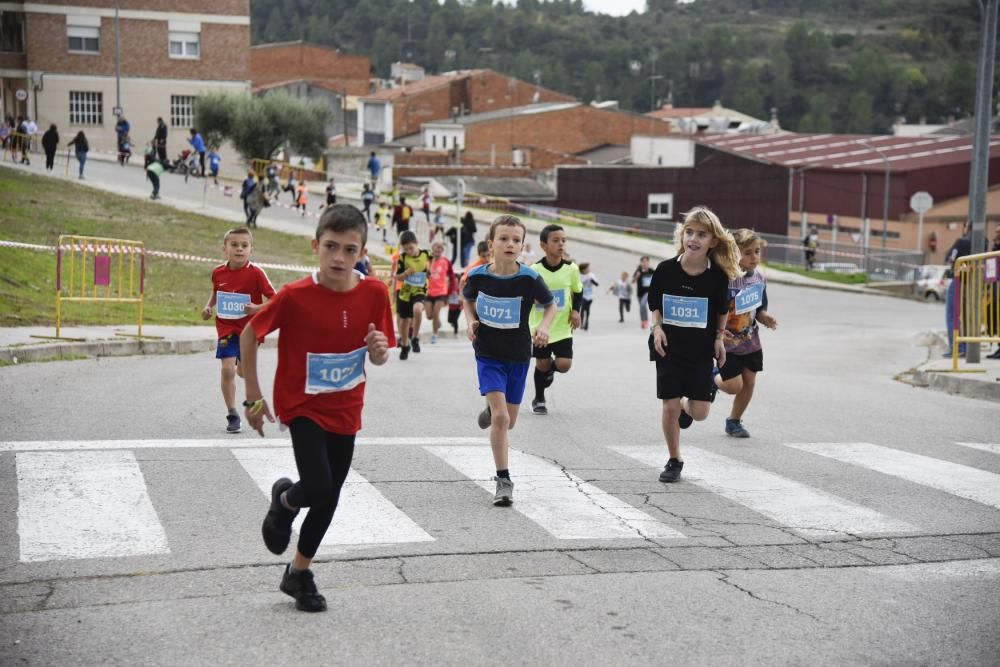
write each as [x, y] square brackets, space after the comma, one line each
[302, 587]
[684, 419]
[233, 424]
[672, 471]
[538, 407]
[404, 352]
[277, 526]
[415, 342]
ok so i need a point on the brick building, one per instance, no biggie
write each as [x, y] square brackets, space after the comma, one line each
[57, 63]
[401, 110]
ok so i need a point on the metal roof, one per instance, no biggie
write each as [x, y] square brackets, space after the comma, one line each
[503, 114]
[607, 154]
[852, 152]
[425, 84]
[513, 188]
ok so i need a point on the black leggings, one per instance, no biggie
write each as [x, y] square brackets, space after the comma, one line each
[624, 306]
[585, 313]
[323, 460]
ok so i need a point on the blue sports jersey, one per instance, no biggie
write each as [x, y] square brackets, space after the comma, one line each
[503, 305]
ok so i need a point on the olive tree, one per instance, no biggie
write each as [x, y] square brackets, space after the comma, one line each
[259, 126]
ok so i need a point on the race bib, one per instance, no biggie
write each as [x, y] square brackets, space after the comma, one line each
[749, 298]
[416, 279]
[558, 298]
[498, 312]
[331, 372]
[685, 311]
[230, 305]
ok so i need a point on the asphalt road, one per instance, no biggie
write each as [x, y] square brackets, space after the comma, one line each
[772, 550]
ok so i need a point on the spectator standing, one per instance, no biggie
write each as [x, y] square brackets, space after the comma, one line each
[468, 236]
[50, 142]
[960, 248]
[160, 140]
[374, 169]
[198, 146]
[79, 142]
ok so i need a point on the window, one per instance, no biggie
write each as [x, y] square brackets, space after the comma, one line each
[661, 206]
[434, 141]
[182, 110]
[184, 45]
[86, 108]
[11, 32]
[84, 39]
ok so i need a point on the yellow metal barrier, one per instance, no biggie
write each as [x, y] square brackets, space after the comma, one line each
[976, 307]
[18, 145]
[91, 268]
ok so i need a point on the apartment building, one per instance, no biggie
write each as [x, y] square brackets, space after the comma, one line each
[77, 63]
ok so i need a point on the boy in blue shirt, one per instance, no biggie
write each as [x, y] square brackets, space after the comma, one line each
[213, 164]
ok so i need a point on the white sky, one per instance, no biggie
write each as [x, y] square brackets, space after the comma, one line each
[615, 7]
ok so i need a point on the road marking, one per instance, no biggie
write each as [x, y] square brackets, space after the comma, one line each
[228, 443]
[561, 503]
[920, 572]
[804, 509]
[363, 516]
[85, 505]
[958, 480]
[983, 446]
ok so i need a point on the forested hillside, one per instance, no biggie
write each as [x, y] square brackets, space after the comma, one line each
[840, 65]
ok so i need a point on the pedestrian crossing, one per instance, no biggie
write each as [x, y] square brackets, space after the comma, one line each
[89, 499]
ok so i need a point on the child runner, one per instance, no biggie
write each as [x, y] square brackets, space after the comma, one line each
[438, 286]
[329, 321]
[498, 298]
[381, 214]
[413, 268]
[438, 223]
[155, 169]
[213, 164]
[301, 196]
[454, 302]
[367, 197]
[690, 302]
[425, 204]
[238, 290]
[747, 307]
[623, 290]
[331, 193]
[641, 279]
[482, 257]
[589, 281]
[563, 279]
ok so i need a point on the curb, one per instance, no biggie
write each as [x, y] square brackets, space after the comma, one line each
[104, 348]
[959, 386]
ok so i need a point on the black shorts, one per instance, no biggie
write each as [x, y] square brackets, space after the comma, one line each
[405, 308]
[735, 363]
[685, 378]
[562, 349]
[440, 298]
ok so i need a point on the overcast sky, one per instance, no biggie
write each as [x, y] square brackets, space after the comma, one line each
[615, 7]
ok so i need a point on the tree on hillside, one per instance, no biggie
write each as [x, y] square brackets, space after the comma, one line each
[259, 126]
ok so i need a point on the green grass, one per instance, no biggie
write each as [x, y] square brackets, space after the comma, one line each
[831, 276]
[34, 209]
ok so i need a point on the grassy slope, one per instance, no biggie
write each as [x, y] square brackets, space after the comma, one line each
[34, 209]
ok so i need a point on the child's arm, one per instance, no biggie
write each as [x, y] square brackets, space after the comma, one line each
[765, 318]
[542, 332]
[206, 312]
[256, 407]
[378, 345]
[659, 335]
[469, 307]
[720, 343]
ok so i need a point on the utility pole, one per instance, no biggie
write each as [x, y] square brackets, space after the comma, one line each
[118, 63]
[653, 76]
[886, 181]
[981, 145]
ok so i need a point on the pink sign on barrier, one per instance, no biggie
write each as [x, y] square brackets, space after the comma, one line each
[991, 269]
[102, 270]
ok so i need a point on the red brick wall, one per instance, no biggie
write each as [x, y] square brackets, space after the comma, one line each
[144, 50]
[401, 171]
[271, 64]
[227, 7]
[489, 90]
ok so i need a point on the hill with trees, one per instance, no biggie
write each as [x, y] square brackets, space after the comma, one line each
[825, 65]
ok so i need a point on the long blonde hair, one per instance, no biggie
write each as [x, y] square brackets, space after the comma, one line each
[726, 253]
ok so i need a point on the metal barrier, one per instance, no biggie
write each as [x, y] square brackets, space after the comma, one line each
[976, 308]
[18, 145]
[259, 167]
[90, 269]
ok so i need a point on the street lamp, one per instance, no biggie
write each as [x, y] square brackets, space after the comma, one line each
[885, 188]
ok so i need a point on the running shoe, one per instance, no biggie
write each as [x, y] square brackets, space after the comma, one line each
[302, 587]
[404, 352]
[684, 419]
[434, 339]
[505, 492]
[277, 526]
[538, 407]
[485, 418]
[233, 424]
[672, 471]
[735, 428]
[415, 342]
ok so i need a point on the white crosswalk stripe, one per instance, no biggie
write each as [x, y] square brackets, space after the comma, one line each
[84, 505]
[991, 447]
[363, 516]
[806, 510]
[954, 478]
[558, 501]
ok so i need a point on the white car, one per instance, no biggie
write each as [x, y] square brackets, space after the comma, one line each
[929, 281]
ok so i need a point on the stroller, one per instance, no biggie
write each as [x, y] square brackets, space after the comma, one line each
[187, 163]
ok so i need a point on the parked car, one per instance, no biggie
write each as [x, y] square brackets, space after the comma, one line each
[929, 281]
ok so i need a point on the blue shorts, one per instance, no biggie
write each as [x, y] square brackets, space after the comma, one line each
[503, 376]
[228, 347]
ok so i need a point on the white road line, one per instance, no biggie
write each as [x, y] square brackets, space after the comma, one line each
[959, 480]
[363, 516]
[85, 505]
[561, 503]
[806, 510]
[920, 572]
[228, 443]
[992, 448]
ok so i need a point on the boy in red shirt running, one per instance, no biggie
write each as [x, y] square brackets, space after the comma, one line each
[238, 291]
[330, 322]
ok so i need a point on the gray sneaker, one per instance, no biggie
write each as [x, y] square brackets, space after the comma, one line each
[485, 418]
[735, 428]
[505, 492]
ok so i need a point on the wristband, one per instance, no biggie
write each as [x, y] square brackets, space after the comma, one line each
[253, 407]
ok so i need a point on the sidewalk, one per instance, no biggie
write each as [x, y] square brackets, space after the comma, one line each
[980, 380]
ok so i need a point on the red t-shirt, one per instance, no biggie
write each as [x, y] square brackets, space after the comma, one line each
[249, 279]
[318, 323]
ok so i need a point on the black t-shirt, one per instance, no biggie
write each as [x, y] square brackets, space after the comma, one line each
[642, 279]
[692, 308]
[503, 305]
